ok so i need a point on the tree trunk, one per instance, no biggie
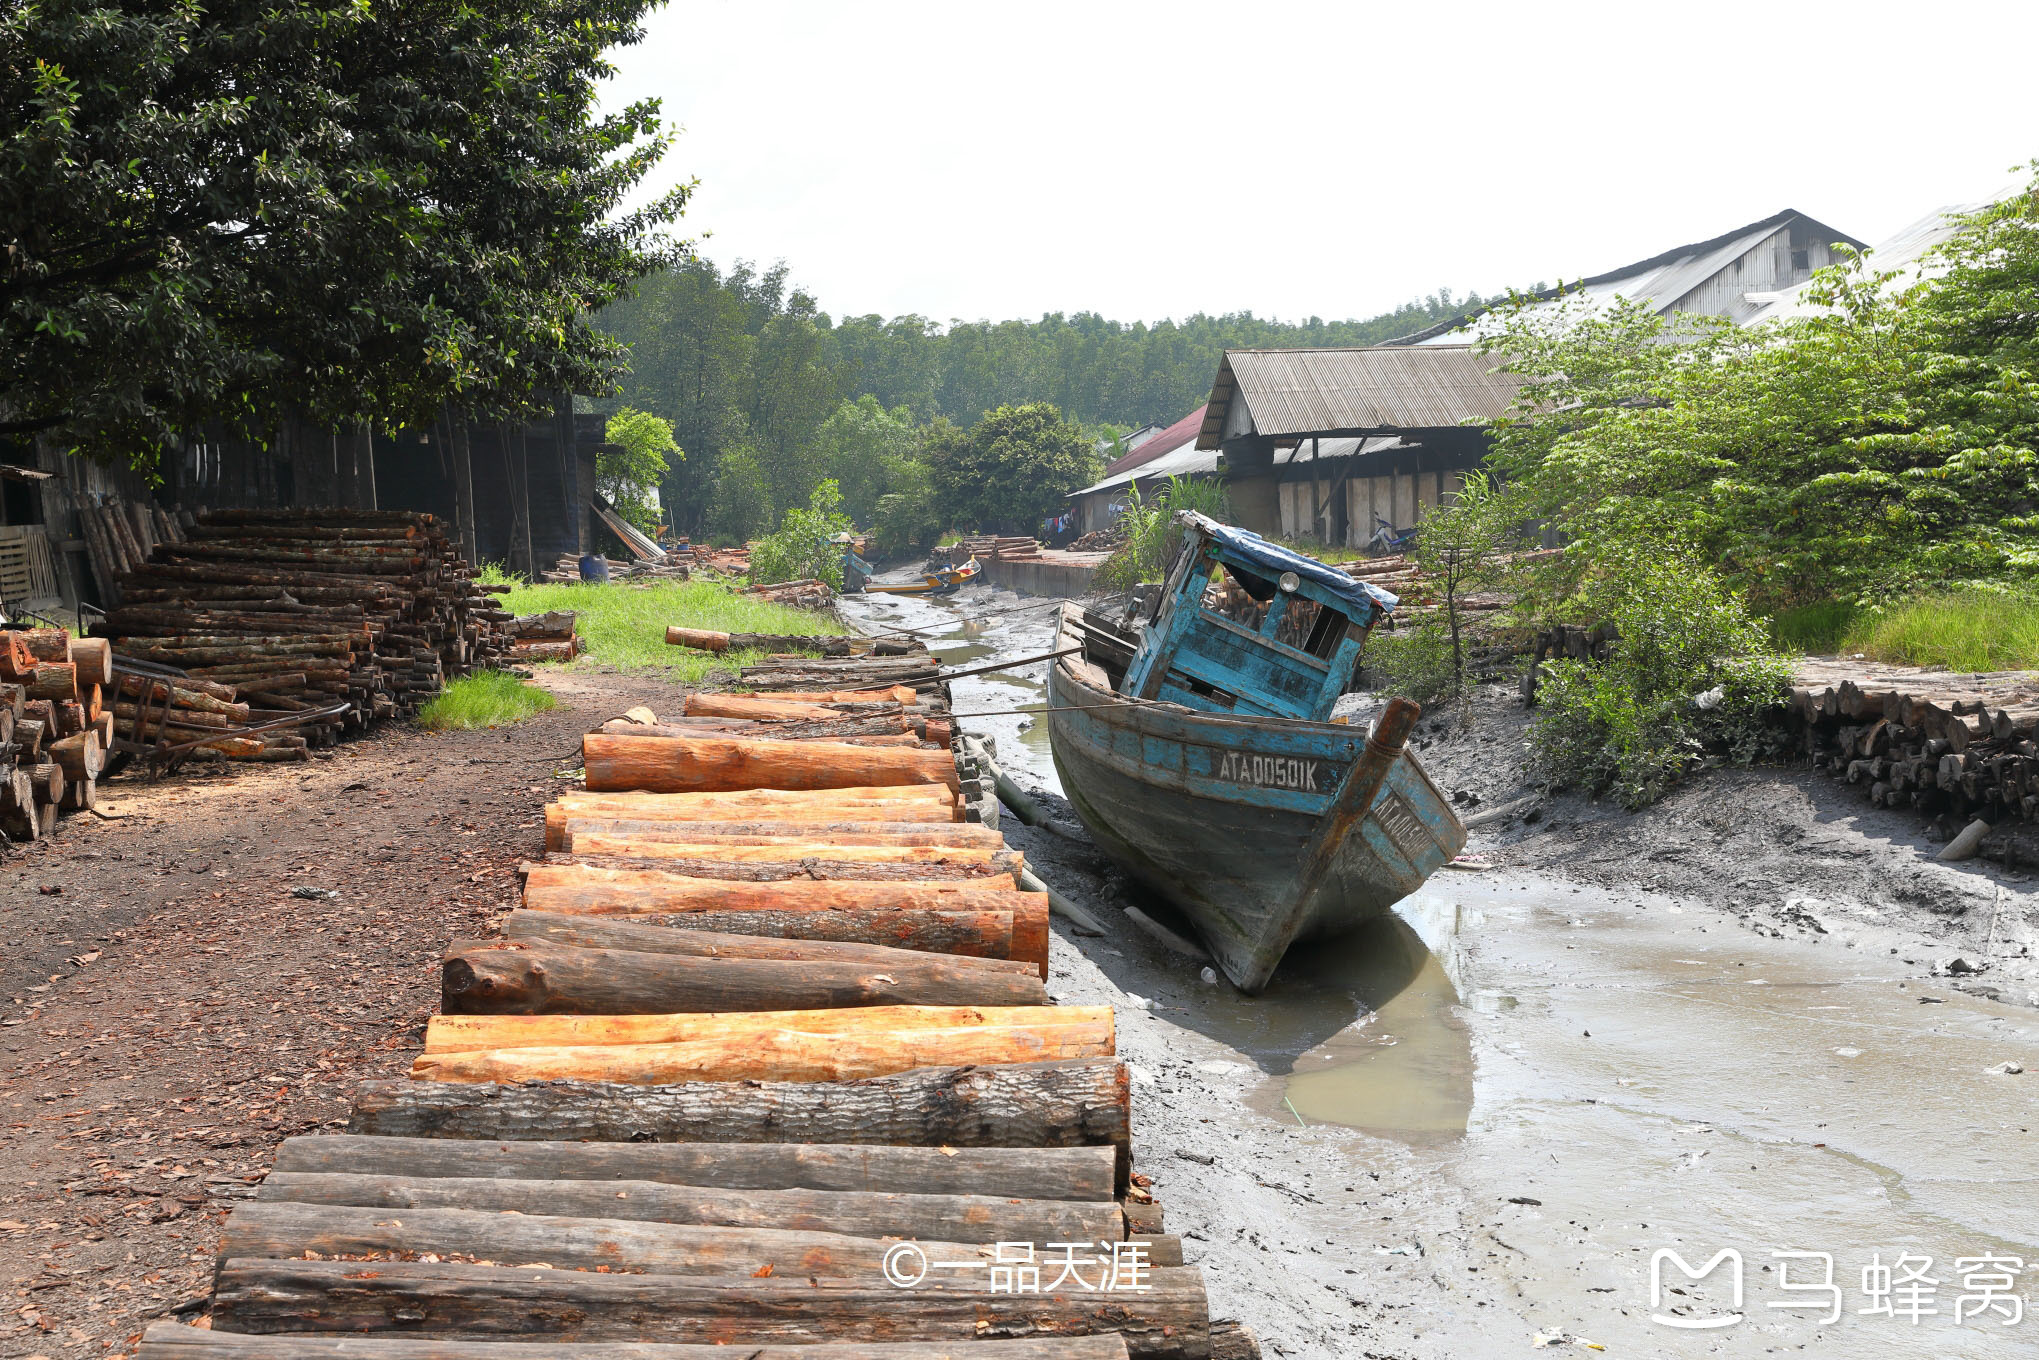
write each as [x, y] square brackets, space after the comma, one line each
[1070, 1173]
[481, 978]
[775, 1052]
[790, 851]
[487, 1033]
[515, 479]
[174, 1341]
[1056, 1104]
[958, 835]
[681, 765]
[278, 1229]
[586, 932]
[463, 490]
[972, 1218]
[1168, 1321]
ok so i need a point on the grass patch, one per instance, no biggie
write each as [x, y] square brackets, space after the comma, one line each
[1817, 629]
[625, 625]
[1963, 630]
[485, 699]
[496, 574]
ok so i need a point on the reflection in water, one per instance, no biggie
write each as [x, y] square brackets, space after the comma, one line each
[1360, 1030]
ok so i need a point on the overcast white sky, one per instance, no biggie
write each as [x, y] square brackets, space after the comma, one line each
[989, 160]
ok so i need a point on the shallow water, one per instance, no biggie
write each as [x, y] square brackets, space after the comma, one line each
[1585, 1078]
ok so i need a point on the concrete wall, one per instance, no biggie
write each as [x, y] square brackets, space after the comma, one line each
[1063, 575]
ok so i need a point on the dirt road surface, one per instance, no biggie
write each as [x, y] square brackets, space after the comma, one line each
[181, 991]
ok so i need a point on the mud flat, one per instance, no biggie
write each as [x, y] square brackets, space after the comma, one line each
[1715, 1025]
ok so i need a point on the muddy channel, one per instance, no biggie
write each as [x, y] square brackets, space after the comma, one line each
[1509, 1116]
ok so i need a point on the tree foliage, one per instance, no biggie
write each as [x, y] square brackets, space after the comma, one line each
[209, 213]
[740, 360]
[1887, 444]
[1459, 546]
[805, 547]
[1013, 468]
[627, 473]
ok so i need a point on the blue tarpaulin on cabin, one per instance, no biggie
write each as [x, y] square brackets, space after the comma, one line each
[1275, 559]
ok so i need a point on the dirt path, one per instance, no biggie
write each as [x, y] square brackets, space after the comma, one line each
[178, 1008]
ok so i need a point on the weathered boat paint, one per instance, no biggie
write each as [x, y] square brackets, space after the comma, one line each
[1236, 816]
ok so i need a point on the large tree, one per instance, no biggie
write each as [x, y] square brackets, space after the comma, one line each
[1014, 468]
[231, 211]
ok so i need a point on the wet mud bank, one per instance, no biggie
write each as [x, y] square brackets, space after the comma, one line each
[1729, 1023]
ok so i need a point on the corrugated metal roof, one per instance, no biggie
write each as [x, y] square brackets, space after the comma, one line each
[1662, 279]
[1903, 252]
[1187, 460]
[1167, 441]
[1296, 391]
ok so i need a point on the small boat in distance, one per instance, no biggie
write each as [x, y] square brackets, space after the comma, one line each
[1198, 748]
[944, 581]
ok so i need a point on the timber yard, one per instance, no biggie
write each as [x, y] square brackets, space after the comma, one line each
[569, 794]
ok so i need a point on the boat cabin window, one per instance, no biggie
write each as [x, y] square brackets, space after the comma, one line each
[1325, 634]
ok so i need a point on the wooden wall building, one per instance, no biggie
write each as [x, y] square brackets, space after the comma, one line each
[516, 493]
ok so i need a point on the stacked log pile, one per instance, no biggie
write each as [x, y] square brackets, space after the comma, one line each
[1955, 746]
[310, 609]
[755, 1066]
[804, 594]
[544, 637]
[994, 548]
[822, 644]
[56, 726]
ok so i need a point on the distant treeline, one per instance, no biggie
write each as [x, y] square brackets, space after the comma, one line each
[743, 364]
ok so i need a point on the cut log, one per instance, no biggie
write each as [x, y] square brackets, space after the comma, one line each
[960, 1218]
[1000, 870]
[46, 782]
[680, 765]
[529, 978]
[771, 1054]
[919, 812]
[578, 824]
[93, 658]
[79, 796]
[791, 850]
[588, 932]
[53, 680]
[1169, 1320]
[971, 934]
[80, 755]
[876, 694]
[1072, 1173]
[755, 707]
[281, 1229]
[1067, 1104]
[174, 1341]
[478, 1033]
[776, 804]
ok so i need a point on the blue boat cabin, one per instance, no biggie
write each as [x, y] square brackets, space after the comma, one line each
[1195, 656]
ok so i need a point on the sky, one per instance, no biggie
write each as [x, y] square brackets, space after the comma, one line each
[969, 160]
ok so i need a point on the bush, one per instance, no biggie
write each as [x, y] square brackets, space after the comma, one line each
[1151, 535]
[484, 699]
[1415, 663]
[805, 546]
[1689, 681]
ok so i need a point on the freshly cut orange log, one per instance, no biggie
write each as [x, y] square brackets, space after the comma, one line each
[849, 832]
[782, 849]
[705, 764]
[930, 813]
[775, 1054]
[789, 798]
[755, 706]
[896, 694]
[475, 1033]
[577, 889]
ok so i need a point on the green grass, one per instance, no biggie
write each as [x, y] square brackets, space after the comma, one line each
[485, 699]
[1323, 552]
[1962, 630]
[1816, 629]
[625, 625]
[496, 574]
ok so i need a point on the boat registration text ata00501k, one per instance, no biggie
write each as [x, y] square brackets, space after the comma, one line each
[1273, 772]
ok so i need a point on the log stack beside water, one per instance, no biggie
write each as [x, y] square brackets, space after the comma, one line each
[747, 1062]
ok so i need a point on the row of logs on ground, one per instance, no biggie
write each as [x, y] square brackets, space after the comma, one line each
[764, 1065]
[1954, 746]
[58, 703]
[357, 615]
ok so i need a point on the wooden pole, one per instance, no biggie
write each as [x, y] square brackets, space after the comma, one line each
[462, 453]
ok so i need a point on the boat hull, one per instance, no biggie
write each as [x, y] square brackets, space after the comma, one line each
[1218, 814]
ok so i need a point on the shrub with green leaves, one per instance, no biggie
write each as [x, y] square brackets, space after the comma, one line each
[1414, 663]
[1151, 532]
[1688, 683]
[805, 546]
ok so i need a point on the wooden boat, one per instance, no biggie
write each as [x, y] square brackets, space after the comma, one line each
[1197, 749]
[946, 581]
